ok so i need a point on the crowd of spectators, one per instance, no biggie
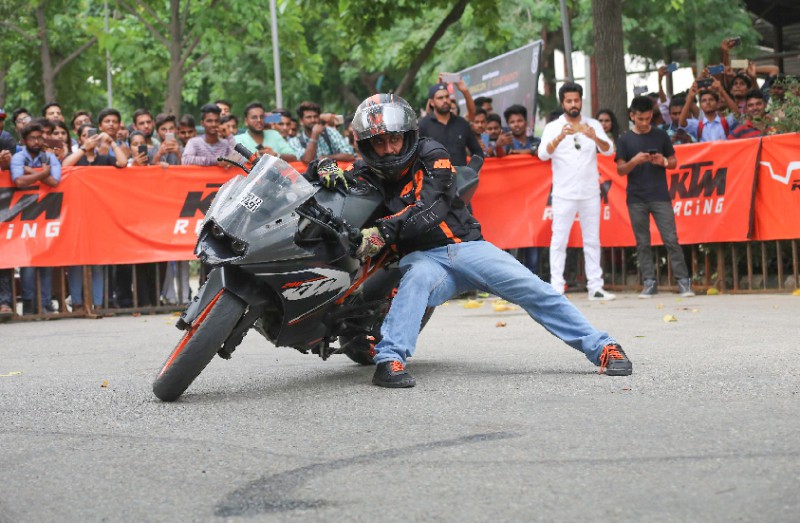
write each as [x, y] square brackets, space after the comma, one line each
[723, 103]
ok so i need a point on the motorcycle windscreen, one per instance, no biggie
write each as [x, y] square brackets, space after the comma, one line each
[258, 209]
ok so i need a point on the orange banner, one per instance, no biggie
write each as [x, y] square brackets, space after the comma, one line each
[711, 194]
[778, 195]
[103, 215]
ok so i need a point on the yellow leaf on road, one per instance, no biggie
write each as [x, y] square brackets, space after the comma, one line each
[104, 385]
[712, 291]
[796, 292]
[473, 304]
[669, 317]
[12, 373]
[500, 324]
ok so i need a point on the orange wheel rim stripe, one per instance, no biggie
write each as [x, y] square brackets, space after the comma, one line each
[190, 334]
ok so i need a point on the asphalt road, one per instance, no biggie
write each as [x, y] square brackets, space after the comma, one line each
[505, 424]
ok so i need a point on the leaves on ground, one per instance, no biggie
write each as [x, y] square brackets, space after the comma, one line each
[670, 318]
[473, 304]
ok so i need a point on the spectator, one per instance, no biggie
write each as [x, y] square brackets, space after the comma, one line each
[494, 141]
[224, 107]
[485, 103]
[86, 155]
[227, 127]
[757, 122]
[61, 133]
[140, 152]
[78, 119]
[20, 118]
[306, 145]
[187, 129]
[90, 143]
[648, 194]
[572, 142]
[8, 145]
[469, 103]
[454, 132]
[609, 123]
[257, 139]
[31, 166]
[479, 127]
[517, 121]
[293, 126]
[677, 134]
[109, 121]
[285, 123]
[711, 125]
[204, 150]
[168, 152]
[143, 122]
[740, 86]
[52, 111]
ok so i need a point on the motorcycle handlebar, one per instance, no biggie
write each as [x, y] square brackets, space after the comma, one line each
[245, 152]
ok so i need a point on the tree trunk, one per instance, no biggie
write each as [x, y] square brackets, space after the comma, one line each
[172, 105]
[452, 17]
[48, 72]
[609, 53]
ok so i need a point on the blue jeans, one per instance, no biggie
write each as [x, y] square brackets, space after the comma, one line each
[28, 280]
[75, 283]
[432, 277]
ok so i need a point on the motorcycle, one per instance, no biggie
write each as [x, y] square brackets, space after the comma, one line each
[283, 255]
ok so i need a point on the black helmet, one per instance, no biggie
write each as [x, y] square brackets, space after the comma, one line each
[386, 114]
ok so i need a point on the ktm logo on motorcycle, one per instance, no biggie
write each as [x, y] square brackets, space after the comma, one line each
[327, 281]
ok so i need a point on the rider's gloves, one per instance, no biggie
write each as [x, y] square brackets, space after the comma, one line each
[330, 174]
[371, 243]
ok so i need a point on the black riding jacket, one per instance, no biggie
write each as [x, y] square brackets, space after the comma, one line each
[424, 209]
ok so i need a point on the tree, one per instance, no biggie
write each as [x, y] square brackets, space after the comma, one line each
[34, 23]
[609, 53]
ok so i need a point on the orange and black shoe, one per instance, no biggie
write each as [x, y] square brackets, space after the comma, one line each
[613, 361]
[393, 374]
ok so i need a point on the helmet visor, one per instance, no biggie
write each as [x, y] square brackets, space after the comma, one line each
[375, 118]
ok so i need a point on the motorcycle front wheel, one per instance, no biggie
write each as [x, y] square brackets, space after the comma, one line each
[198, 346]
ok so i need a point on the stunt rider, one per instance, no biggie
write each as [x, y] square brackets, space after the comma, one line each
[443, 253]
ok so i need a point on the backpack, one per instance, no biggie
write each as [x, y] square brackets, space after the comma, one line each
[725, 128]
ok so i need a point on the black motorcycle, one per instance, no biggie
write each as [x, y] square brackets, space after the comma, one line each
[283, 256]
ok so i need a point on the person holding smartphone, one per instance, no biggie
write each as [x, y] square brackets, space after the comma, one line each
[259, 139]
[643, 155]
[711, 125]
[169, 151]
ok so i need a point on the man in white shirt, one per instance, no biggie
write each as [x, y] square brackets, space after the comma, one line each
[572, 142]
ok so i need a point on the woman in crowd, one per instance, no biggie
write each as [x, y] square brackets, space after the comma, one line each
[86, 155]
[609, 122]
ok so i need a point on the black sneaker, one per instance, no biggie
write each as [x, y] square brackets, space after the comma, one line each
[613, 361]
[649, 290]
[393, 374]
[685, 288]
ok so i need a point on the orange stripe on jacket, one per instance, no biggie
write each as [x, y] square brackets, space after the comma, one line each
[448, 232]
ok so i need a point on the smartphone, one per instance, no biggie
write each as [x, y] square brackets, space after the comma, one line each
[142, 149]
[338, 119]
[716, 69]
[639, 90]
[740, 63]
[652, 151]
[736, 41]
[272, 118]
[169, 137]
[53, 143]
[705, 83]
[91, 132]
[671, 68]
[450, 78]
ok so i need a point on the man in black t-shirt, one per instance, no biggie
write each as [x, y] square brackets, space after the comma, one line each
[643, 154]
[452, 131]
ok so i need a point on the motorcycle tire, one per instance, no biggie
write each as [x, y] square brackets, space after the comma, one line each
[198, 346]
[363, 353]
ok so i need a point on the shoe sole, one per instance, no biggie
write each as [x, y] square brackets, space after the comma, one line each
[619, 372]
[688, 295]
[646, 296]
[592, 298]
[405, 384]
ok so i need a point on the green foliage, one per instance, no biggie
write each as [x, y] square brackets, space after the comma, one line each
[785, 114]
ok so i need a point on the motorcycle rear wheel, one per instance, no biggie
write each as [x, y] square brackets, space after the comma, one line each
[198, 346]
[363, 352]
